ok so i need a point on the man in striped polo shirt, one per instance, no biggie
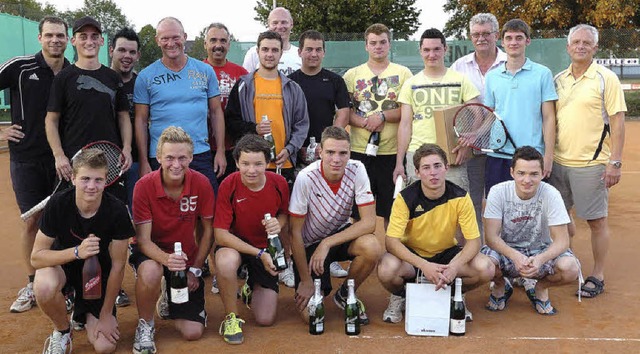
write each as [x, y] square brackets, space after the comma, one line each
[321, 202]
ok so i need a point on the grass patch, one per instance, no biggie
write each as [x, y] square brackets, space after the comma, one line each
[5, 115]
[633, 103]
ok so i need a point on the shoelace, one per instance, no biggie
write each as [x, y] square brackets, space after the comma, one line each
[146, 333]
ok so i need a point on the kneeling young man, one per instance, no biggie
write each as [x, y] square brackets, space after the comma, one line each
[323, 196]
[421, 234]
[526, 233]
[76, 224]
[167, 205]
[241, 233]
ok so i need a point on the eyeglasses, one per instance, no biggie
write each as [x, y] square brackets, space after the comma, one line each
[478, 35]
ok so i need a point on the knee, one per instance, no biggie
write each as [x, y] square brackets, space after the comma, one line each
[191, 333]
[568, 268]
[597, 226]
[265, 320]
[369, 249]
[227, 261]
[46, 287]
[388, 267]
[485, 269]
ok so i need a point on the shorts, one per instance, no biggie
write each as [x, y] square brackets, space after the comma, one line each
[192, 310]
[289, 175]
[32, 181]
[256, 273]
[336, 254]
[81, 307]
[456, 173]
[509, 269]
[497, 170]
[582, 187]
[380, 171]
[443, 257]
[202, 162]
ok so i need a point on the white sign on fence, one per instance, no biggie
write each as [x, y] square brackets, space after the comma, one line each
[619, 62]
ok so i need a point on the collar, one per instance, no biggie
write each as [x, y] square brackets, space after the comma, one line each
[159, 189]
[526, 66]
[590, 73]
[43, 63]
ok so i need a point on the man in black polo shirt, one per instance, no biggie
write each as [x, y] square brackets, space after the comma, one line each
[32, 166]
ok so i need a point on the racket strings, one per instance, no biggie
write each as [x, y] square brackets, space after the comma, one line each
[114, 160]
[474, 124]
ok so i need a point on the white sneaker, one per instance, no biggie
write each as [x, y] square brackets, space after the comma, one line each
[214, 286]
[286, 277]
[162, 306]
[58, 343]
[25, 301]
[337, 271]
[393, 313]
[468, 316]
[143, 341]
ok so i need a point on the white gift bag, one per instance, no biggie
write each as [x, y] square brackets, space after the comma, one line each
[427, 311]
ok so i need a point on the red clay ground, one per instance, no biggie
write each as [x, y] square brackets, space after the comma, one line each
[609, 323]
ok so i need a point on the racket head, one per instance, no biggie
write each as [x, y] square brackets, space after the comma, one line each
[478, 127]
[114, 155]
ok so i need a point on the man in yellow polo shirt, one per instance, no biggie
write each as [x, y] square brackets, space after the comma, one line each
[590, 137]
[421, 234]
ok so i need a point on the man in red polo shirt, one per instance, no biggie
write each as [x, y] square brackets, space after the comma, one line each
[167, 203]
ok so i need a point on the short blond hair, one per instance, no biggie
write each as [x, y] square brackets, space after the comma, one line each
[174, 135]
[90, 158]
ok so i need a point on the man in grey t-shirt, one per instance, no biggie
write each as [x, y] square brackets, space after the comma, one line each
[527, 235]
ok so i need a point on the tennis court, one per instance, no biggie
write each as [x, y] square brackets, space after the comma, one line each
[608, 323]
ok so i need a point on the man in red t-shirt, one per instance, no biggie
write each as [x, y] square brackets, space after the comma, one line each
[241, 233]
[216, 43]
[167, 203]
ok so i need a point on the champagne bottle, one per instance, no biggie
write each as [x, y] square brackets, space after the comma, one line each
[457, 324]
[311, 150]
[275, 249]
[91, 279]
[269, 138]
[316, 311]
[351, 320]
[179, 288]
[373, 144]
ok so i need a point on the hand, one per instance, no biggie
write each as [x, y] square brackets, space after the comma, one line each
[316, 263]
[219, 163]
[177, 262]
[399, 171]
[532, 268]
[548, 165]
[272, 227]
[108, 327]
[63, 168]
[282, 157]
[193, 282]
[267, 263]
[144, 168]
[521, 262]
[127, 159]
[12, 133]
[305, 291]
[264, 127]
[89, 247]
[432, 271]
[463, 153]
[611, 176]
[374, 122]
[448, 275]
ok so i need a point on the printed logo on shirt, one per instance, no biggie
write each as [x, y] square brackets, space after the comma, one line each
[34, 77]
[165, 78]
[240, 200]
[429, 97]
[86, 82]
[419, 209]
[189, 203]
[198, 79]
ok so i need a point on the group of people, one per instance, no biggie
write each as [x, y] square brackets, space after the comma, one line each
[199, 169]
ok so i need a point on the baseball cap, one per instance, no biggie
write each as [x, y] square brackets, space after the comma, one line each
[86, 21]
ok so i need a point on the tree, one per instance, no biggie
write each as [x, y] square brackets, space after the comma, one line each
[30, 9]
[106, 12]
[197, 50]
[346, 16]
[149, 50]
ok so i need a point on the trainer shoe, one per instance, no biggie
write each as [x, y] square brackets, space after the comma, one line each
[58, 343]
[25, 301]
[341, 302]
[468, 316]
[206, 271]
[69, 300]
[393, 313]
[231, 329]
[337, 271]
[243, 272]
[245, 293]
[122, 300]
[162, 306]
[76, 324]
[214, 286]
[286, 276]
[143, 340]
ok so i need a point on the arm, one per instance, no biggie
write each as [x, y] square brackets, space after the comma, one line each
[63, 167]
[549, 134]
[107, 324]
[142, 132]
[560, 237]
[305, 289]
[235, 125]
[299, 120]
[148, 247]
[12, 133]
[43, 256]
[124, 123]
[616, 123]
[216, 117]
[493, 228]
[342, 117]
[397, 248]
[404, 136]
[205, 242]
[356, 120]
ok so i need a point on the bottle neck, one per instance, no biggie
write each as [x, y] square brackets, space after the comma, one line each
[351, 299]
[317, 294]
[458, 294]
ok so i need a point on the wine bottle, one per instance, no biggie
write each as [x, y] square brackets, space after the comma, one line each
[373, 144]
[91, 279]
[351, 320]
[316, 311]
[179, 288]
[457, 324]
[311, 150]
[275, 249]
[269, 138]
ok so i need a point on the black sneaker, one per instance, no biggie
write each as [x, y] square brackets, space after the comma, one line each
[205, 268]
[122, 300]
[341, 302]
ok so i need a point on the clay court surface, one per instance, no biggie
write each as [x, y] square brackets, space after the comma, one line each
[608, 323]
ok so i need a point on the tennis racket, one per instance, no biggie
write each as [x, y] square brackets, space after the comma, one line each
[115, 160]
[480, 128]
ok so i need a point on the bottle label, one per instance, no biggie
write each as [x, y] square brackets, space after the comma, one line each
[457, 326]
[351, 327]
[179, 296]
[92, 283]
[372, 150]
[319, 325]
[281, 262]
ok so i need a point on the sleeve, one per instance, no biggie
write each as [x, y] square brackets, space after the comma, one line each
[7, 74]
[250, 62]
[235, 126]
[405, 93]
[283, 187]
[494, 205]
[489, 100]
[399, 218]
[364, 196]
[224, 209]
[56, 96]
[342, 98]
[556, 211]
[141, 202]
[140, 91]
[122, 226]
[299, 202]
[613, 95]
[300, 123]
[467, 218]
[348, 80]
[548, 88]
[213, 88]
[469, 90]
[206, 196]
[50, 218]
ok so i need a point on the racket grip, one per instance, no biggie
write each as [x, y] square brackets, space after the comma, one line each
[35, 209]
[399, 186]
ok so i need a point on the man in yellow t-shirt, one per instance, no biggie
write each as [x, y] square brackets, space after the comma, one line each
[421, 234]
[590, 136]
[374, 87]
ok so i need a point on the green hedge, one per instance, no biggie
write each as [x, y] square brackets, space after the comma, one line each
[633, 103]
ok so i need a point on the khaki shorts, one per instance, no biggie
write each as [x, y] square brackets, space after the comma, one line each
[456, 174]
[582, 187]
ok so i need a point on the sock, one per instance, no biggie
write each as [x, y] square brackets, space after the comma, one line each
[68, 330]
[31, 277]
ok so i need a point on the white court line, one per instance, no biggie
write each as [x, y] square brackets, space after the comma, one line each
[518, 338]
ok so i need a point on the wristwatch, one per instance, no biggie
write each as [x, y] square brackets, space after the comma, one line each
[196, 271]
[616, 163]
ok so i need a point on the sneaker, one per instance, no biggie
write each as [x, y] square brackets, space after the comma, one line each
[143, 340]
[231, 329]
[243, 272]
[286, 277]
[337, 271]
[245, 293]
[76, 324]
[214, 286]
[341, 302]
[468, 316]
[393, 313]
[58, 343]
[69, 300]
[162, 306]
[206, 271]
[25, 301]
[122, 300]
